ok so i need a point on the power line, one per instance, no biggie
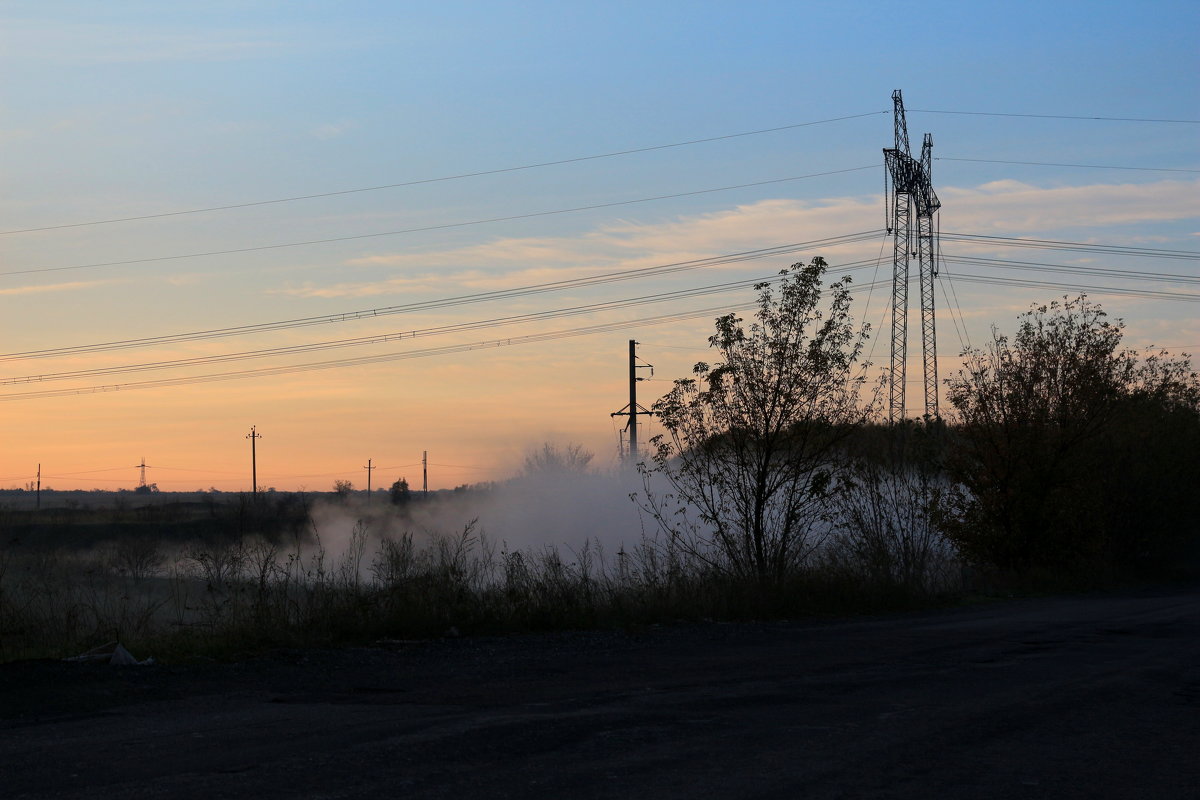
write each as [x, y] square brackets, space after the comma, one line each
[125, 469]
[445, 178]
[697, 348]
[574, 160]
[389, 337]
[98, 480]
[532, 338]
[1056, 244]
[204, 471]
[440, 330]
[339, 473]
[592, 280]
[425, 228]
[478, 297]
[1127, 274]
[1080, 287]
[953, 318]
[1056, 164]
[954, 291]
[589, 330]
[1054, 116]
[401, 356]
[875, 274]
[377, 359]
[92, 471]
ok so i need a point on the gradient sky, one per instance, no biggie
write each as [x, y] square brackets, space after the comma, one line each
[129, 109]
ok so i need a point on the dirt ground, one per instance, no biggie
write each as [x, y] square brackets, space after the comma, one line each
[1062, 697]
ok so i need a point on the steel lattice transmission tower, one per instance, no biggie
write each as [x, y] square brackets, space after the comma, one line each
[912, 201]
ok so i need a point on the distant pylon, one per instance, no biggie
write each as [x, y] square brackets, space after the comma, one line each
[142, 467]
[911, 196]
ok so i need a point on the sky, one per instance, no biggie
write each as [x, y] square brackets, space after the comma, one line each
[177, 168]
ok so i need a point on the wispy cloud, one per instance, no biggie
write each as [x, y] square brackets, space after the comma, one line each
[999, 207]
[427, 283]
[64, 42]
[1015, 206]
[54, 287]
[333, 130]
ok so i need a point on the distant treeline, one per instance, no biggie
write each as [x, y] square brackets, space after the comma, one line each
[80, 519]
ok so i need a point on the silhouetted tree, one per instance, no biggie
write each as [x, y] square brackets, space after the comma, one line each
[399, 493]
[552, 459]
[750, 449]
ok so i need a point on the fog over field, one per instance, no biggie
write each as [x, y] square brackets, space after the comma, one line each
[565, 510]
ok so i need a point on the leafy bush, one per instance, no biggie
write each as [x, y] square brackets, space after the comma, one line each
[885, 534]
[1075, 458]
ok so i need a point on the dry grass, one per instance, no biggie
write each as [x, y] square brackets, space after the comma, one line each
[232, 598]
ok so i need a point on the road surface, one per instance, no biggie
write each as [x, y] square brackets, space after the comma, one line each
[1061, 697]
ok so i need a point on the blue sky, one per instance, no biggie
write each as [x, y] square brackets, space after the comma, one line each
[128, 109]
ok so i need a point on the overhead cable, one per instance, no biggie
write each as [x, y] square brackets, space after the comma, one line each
[531, 338]
[563, 161]
[1054, 116]
[261, 372]
[1038, 266]
[445, 178]
[424, 228]
[1056, 164]
[447, 302]
[1079, 287]
[378, 359]
[1056, 244]
[439, 330]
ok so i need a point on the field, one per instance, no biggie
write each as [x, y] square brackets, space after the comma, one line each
[228, 575]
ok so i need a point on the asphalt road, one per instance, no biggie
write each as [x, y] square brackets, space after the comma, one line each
[1064, 697]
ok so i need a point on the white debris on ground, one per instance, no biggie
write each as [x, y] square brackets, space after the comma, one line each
[111, 653]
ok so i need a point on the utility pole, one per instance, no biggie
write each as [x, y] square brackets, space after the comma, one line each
[912, 191]
[38, 505]
[254, 436]
[425, 473]
[368, 468]
[633, 409]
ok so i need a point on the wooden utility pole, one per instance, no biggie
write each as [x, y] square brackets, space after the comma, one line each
[39, 488]
[253, 436]
[368, 468]
[425, 473]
